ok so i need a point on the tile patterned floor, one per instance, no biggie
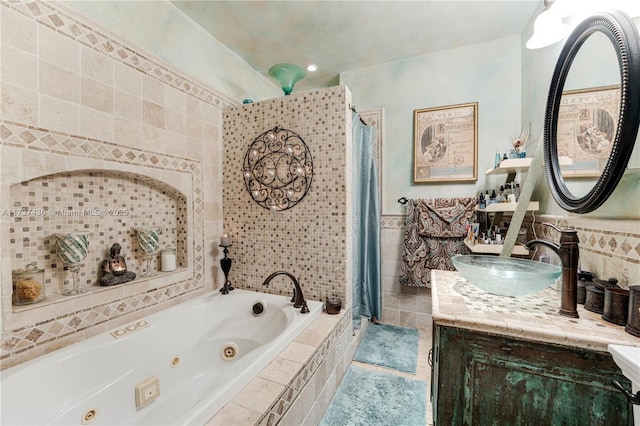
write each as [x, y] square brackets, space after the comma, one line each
[423, 371]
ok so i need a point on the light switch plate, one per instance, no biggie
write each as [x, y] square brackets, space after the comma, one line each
[147, 391]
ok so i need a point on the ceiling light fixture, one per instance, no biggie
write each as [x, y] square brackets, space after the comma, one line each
[312, 67]
[287, 75]
[548, 28]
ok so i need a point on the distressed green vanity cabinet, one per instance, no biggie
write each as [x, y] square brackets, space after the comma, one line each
[481, 378]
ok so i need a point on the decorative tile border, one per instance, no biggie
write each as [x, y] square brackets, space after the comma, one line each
[64, 22]
[28, 338]
[392, 222]
[596, 236]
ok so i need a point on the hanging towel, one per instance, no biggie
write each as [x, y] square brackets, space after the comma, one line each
[434, 231]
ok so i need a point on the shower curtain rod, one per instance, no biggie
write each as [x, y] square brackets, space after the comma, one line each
[353, 108]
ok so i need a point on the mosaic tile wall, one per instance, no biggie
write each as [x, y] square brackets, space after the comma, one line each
[308, 240]
[76, 97]
[106, 207]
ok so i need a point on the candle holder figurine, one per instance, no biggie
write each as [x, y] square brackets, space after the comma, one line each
[225, 264]
[114, 268]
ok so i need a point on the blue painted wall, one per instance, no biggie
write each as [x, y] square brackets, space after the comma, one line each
[488, 73]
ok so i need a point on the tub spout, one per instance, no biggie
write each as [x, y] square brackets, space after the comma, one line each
[568, 252]
[299, 301]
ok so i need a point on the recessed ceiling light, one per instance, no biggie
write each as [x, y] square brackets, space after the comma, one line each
[312, 67]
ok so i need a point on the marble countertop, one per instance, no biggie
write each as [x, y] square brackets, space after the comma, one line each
[457, 303]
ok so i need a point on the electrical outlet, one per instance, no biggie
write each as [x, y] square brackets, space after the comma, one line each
[147, 391]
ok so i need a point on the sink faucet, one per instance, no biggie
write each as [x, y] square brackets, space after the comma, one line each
[299, 301]
[567, 250]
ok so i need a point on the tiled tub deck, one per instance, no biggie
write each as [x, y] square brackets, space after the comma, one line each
[297, 386]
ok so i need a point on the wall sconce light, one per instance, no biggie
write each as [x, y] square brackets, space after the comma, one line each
[548, 28]
[287, 75]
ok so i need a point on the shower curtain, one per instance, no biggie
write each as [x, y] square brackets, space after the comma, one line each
[367, 295]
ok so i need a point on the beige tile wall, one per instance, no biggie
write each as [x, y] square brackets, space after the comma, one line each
[75, 97]
[401, 305]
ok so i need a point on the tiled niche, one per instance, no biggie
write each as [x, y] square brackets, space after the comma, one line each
[104, 205]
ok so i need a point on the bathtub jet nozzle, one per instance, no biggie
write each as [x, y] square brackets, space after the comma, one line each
[299, 301]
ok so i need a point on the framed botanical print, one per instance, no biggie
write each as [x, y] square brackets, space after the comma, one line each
[445, 146]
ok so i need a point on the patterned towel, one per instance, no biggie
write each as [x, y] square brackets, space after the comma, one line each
[435, 230]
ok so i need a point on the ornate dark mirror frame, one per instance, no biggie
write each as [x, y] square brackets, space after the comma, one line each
[622, 32]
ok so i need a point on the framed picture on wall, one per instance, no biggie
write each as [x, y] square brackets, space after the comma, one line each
[445, 146]
[587, 121]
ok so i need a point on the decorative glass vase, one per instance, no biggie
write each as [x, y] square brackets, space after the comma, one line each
[149, 242]
[287, 75]
[73, 249]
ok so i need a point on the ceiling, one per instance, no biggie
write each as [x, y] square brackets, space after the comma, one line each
[340, 36]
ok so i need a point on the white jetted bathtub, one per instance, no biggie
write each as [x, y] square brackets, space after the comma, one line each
[178, 366]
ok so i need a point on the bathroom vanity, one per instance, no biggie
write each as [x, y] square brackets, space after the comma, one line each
[507, 361]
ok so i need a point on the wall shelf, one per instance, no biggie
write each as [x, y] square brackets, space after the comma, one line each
[519, 165]
[510, 168]
[518, 250]
[508, 207]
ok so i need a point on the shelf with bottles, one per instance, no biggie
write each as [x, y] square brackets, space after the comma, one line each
[507, 207]
[519, 165]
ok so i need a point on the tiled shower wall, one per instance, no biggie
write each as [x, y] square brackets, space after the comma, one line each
[312, 239]
[77, 98]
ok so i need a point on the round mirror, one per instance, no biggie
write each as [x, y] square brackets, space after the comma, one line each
[593, 111]
[588, 113]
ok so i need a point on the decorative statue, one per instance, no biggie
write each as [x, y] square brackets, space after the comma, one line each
[114, 269]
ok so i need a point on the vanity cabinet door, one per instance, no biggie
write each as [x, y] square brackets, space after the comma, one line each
[486, 379]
